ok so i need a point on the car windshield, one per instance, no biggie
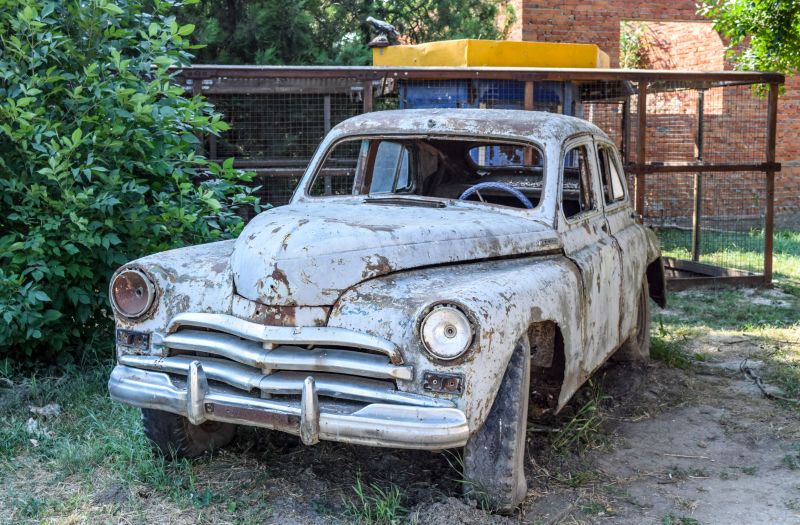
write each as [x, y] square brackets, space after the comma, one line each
[432, 167]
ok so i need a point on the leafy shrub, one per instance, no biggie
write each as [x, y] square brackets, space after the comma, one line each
[97, 162]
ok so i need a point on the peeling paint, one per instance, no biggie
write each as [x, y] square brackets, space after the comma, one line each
[353, 265]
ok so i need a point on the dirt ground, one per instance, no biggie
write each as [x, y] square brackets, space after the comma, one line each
[701, 445]
[670, 446]
[677, 447]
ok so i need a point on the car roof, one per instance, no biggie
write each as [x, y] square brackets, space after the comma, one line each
[540, 126]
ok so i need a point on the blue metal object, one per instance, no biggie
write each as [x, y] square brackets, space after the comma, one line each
[550, 96]
[498, 186]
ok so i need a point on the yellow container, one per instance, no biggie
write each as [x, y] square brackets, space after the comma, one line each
[491, 53]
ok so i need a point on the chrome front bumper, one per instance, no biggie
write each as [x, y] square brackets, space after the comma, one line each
[377, 424]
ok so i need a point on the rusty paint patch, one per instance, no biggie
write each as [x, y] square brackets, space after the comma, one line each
[272, 315]
[375, 265]
[279, 276]
[276, 420]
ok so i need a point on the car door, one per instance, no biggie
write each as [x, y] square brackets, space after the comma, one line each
[587, 242]
[629, 234]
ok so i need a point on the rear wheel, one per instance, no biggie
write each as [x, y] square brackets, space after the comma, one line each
[494, 458]
[172, 434]
[637, 347]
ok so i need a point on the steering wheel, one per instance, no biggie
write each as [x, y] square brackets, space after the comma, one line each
[498, 186]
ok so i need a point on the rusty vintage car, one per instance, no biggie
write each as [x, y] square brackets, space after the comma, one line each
[435, 273]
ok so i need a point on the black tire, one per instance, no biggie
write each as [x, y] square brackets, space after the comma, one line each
[173, 435]
[494, 457]
[637, 347]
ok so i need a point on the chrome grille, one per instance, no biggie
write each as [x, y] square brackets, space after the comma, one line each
[275, 360]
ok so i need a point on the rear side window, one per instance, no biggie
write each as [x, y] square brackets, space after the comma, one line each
[610, 175]
[576, 187]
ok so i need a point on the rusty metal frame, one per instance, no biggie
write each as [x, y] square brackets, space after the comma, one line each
[646, 81]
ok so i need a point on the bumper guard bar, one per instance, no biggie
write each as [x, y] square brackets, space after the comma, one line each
[377, 424]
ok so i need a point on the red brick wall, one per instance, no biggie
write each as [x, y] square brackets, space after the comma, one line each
[692, 46]
[676, 45]
[593, 21]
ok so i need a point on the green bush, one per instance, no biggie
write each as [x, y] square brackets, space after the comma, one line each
[97, 163]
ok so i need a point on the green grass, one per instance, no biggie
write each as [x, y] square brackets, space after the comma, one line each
[668, 347]
[583, 429]
[743, 251]
[674, 519]
[375, 505]
[771, 318]
[91, 434]
[740, 250]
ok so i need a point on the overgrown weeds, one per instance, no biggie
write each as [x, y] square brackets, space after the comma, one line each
[668, 347]
[473, 490]
[582, 430]
[375, 505]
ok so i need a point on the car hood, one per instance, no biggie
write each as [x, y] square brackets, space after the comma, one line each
[307, 254]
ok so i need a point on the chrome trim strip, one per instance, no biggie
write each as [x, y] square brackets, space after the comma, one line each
[234, 374]
[398, 426]
[286, 335]
[285, 382]
[251, 353]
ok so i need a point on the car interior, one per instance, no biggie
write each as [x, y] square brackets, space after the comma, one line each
[433, 167]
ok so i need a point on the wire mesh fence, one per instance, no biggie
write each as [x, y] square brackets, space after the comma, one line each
[703, 170]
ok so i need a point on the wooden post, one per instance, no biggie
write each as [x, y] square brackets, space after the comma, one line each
[326, 113]
[367, 95]
[529, 96]
[698, 178]
[772, 124]
[528, 152]
[641, 142]
[626, 131]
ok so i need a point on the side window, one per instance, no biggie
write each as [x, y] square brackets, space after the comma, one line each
[390, 171]
[613, 190]
[337, 174]
[576, 187]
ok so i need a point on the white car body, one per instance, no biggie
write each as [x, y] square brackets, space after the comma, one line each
[309, 322]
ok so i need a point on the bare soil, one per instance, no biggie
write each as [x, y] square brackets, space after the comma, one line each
[701, 445]
[675, 446]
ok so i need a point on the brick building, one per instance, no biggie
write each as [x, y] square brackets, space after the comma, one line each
[678, 38]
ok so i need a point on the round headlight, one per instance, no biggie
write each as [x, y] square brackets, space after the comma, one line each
[446, 332]
[131, 293]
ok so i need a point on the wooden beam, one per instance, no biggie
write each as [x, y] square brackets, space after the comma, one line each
[769, 226]
[704, 167]
[641, 143]
[510, 73]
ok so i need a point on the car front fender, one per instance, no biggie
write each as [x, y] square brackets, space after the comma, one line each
[502, 298]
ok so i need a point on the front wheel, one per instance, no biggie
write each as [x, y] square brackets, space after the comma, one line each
[494, 458]
[173, 434]
[637, 347]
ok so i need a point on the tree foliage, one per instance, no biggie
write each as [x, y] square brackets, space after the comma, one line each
[331, 31]
[764, 34]
[98, 162]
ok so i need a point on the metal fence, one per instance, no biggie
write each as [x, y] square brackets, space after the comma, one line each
[699, 147]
